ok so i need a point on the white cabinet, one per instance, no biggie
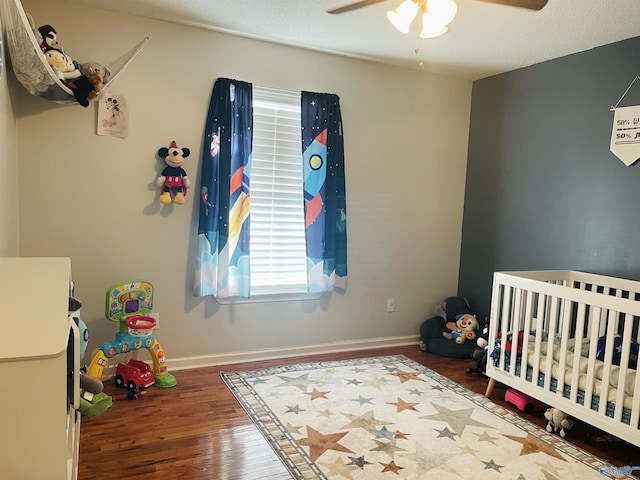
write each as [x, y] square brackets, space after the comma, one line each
[39, 367]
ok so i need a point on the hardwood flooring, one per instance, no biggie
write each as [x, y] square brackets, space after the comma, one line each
[198, 431]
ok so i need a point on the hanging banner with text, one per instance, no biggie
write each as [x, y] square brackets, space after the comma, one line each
[625, 135]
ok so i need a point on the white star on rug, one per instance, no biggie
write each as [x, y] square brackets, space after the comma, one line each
[467, 450]
[457, 419]
[367, 421]
[375, 382]
[485, 437]
[301, 382]
[390, 448]
[427, 459]
[340, 468]
[326, 413]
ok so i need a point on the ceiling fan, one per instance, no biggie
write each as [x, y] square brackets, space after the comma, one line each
[529, 4]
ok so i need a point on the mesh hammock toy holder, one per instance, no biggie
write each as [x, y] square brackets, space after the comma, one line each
[30, 65]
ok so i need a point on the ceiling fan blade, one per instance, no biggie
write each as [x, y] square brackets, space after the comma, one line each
[530, 4]
[354, 6]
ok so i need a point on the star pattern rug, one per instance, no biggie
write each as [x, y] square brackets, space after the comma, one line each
[390, 417]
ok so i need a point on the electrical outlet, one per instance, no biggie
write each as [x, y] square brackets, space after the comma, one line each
[157, 318]
[391, 304]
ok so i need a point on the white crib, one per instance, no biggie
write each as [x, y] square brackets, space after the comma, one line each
[559, 337]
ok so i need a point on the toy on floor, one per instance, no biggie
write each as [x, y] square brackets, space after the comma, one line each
[136, 376]
[524, 402]
[431, 331]
[557, 420]
[480, 353]
[173, 180]
[93, 401]
[464, 328]
[129, 303]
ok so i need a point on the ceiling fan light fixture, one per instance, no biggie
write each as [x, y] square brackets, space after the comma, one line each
[443, 10]
[402, 16]
[431, 28]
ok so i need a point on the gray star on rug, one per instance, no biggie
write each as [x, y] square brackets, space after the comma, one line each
[294, 409]
[390, 448]
[457, 419]
[358, 461]
[415, 391]
[300, 382]
[491, 465]
[259, 380]
[445, 432]
[354, 381]
[386, 434]
[363, 400]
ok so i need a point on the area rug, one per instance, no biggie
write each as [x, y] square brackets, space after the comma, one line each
[390, 417]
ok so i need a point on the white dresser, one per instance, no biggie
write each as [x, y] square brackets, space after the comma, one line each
[39, 368]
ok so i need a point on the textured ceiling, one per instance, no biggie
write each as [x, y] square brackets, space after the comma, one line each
[484, 39]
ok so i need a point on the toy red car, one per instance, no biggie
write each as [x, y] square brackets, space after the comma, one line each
[135, 375]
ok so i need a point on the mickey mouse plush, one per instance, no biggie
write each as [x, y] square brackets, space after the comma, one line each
[173, 179]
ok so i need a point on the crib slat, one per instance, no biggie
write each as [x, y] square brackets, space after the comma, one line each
[577, 349]
[515, 328]
[528, 315]
[565, 313]
[612, 321]
[552, 312]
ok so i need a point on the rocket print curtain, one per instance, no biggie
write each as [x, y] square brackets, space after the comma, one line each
[222, 258]
[324, 192]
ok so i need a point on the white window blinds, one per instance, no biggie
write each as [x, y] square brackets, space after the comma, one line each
[277, 236]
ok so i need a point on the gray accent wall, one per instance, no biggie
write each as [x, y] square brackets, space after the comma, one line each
[543, 191]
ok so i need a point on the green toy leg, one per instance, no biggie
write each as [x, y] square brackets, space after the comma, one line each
[99, 404]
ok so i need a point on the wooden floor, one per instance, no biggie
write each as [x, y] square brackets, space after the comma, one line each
[197, 430]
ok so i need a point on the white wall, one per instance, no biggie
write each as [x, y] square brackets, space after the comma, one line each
[92, 198]
[9, 225]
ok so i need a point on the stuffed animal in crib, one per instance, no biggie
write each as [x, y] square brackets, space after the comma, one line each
[173, 180]
[557, 420]
[464, 328]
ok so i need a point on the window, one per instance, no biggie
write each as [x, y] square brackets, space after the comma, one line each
[272, 220]
[277, 225]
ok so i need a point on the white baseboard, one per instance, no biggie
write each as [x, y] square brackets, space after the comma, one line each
[270, 354]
